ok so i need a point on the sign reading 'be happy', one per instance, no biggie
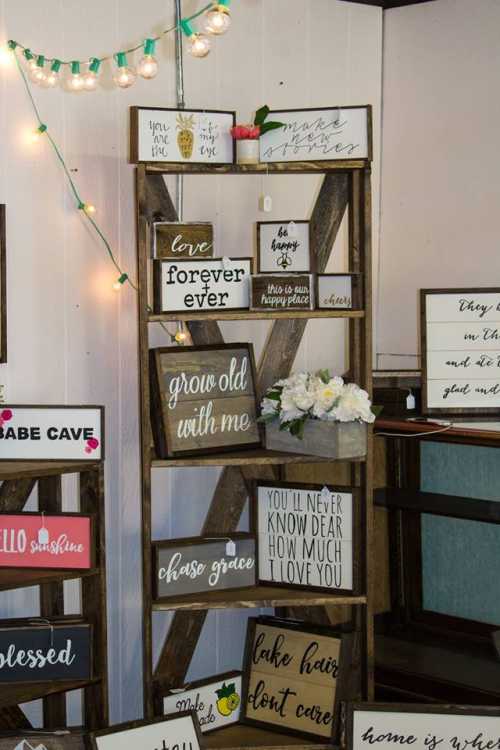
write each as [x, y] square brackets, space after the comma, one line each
[63, 433]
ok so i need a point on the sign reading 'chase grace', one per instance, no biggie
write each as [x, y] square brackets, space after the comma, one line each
[61, 433]
[38, 653]
[32, 540]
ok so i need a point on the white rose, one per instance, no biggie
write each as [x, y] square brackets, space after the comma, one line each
[354, 405]
[289, 407]
[269, 406]
[325, 395]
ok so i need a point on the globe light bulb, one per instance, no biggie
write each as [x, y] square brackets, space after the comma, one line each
[217, 20]
[120, 282]
[89, 208]
[75, 82]
[37, 75]
[148, 66]
[124, 76]
[52, 77]
[199, 45]
[6, 57]
[90, 81]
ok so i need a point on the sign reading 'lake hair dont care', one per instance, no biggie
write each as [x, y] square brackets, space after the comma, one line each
[32, 540]
[461, 350]
[203, 399]
[181, 135]
[62, 433]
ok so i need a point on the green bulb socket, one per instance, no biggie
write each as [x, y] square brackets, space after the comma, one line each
[11, 44]
[42, 128]
[121, 59]
[28, 54]
[225, 3]
[75, 67]
[81, 206]
[56, 66]
[149, 46]
[187, 28]
[40, 61]
[95, 64]
[123, 278]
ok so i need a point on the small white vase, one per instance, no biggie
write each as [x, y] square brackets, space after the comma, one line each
[247, 151]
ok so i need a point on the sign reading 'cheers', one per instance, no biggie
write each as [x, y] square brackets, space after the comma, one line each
[32, 540]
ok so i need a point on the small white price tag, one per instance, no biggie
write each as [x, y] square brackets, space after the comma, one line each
[226, 263]
[231, 548]
[266, 204]
[410, 401]
[325, 494]
[43, 536]
[292, 229]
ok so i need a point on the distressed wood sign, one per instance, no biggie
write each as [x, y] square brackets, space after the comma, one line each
[197, 565]
[39, 653]
[203, 399]
[35, 540]
[181, 135]
[216, 700]
[178, 732]
[173, 239]
[422, 727]
[460, 331]
[338, 291]
[201, 285]
[3, 286]
[305, 535]
[326, 134]
[294, 676]
[282, 292]
[51, 433]
[42, 740]
[284, 247]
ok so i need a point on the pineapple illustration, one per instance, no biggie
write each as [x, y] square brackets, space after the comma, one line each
[185, 136]
[228, 699]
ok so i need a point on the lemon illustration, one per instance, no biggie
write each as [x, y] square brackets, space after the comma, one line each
[227, 699]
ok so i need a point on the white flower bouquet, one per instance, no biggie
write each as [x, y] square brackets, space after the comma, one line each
[305, 396]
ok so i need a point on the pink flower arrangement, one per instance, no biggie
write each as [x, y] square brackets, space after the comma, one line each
[5, 416]
[245, 132]
[92, 445]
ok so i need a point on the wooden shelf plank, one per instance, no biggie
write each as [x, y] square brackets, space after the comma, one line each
[20, 469]
[256, 457]
[13, 694]
[17, 578]
[451, 506]
[297, 167]
[258, 596]
[256, 315]
[241, 737]
[457, 434]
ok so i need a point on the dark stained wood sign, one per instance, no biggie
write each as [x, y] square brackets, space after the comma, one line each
[197, 565]
[295, 676]
[178, 732]
[35, 540]
[173, 239]
[203, 399]
[282, 292]
[42, 740]
[43, 652]
[216, 700]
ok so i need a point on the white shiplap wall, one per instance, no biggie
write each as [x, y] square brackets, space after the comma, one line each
[71, 339]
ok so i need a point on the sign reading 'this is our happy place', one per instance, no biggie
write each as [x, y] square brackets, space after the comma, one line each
[62, 433]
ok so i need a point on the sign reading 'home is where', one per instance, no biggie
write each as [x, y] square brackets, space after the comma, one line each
[30, 540]
[217, 701]
[203, 399]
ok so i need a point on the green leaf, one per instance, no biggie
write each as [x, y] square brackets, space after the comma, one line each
[377, 410]
[273, 395]
[261, 115]
[324, 375]
[297, 427]
[270, 126]
[266, 418]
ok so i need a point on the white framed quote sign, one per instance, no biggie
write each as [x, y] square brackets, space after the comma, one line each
[460, 331]
[326, 134]
[305, 535]
[181, 135]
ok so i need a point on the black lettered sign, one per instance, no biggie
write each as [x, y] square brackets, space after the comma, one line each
[282, 292]
[216, 700]
[178, 732]
[203, 399]
[38, 653]
[197, 565]
[294, 676]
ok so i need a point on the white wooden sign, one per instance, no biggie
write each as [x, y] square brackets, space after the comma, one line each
[172, 733]
[461, 350]
[59, 433]
[184, 285]
[283, 247]
[181, 135]
[217, 701]
[305, 535]
[414, 726]
[330, 134]
[337, 291]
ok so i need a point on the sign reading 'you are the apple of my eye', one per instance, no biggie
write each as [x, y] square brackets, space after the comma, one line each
[63, 433]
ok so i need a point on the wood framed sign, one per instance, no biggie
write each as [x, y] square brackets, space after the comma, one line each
[191, 285]
[282, 291]
[196, 136]
[338, 291]
[423, 727]
[51, 433]
[203, 399]
[43, 652]
[284, 247]
[3, 286]
[305, 535]
[173, 240]
[295, 676]
[36, 540]
[326, 134]
[198, 565]
[460, 330]
[216, 700]
[42, 740]
[178, 732]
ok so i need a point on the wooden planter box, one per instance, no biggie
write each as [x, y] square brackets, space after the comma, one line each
[338, 440]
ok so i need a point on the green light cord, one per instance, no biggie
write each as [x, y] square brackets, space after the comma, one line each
[113, 56]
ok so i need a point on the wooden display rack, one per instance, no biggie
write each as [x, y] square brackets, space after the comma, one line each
[18, 479]
[345, 184]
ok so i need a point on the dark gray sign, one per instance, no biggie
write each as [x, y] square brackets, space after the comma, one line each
[35, 653]
[197, 565]
[62, 740]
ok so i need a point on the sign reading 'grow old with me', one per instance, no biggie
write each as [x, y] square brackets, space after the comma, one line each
[51, 433]
[461, 350]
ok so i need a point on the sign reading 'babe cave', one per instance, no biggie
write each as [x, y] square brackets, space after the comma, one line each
[30, 540]
[73, 433]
